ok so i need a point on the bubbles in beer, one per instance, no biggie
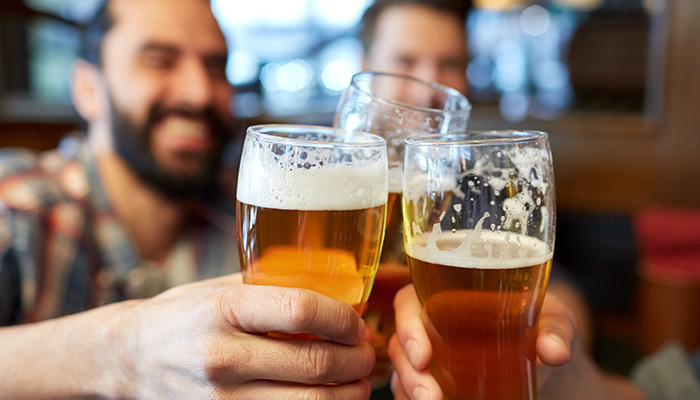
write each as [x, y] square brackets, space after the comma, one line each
[478, 234]
[508, 183]
[312, 179]
[482, 249]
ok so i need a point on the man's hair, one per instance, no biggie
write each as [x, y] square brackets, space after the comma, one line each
[368, 23]
[93, 34]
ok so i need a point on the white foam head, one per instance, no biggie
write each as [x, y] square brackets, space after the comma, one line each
[310, 179]
[479, 249]
[395, 179]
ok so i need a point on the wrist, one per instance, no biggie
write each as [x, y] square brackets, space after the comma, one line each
[76, 356]
[118, 343]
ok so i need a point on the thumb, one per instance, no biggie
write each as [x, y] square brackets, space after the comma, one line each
[557, 332]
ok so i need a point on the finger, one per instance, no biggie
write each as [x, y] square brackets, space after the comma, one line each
[241, 358]
[415, 384]
[397, 388]
[264, 390]
[557, 332]
[261, 309]
[410, 329]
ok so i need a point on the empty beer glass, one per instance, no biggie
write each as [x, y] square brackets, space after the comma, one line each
[479, 233]
[395, 107]
[311, 207]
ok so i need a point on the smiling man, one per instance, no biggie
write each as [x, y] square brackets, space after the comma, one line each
[131, 204]
[168, 97]
[128, 211]
[426, 39]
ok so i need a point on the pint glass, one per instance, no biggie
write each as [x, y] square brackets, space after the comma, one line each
[479, 233]
[395, 106]
[311, 208]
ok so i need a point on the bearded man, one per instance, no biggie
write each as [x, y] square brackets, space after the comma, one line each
[132, 207]
[125, 213]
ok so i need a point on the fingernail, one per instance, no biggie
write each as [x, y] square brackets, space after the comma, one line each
[421, 393]
[413, 351]
[557, 338]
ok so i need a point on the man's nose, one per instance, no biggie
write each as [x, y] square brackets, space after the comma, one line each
[428, 72]
[192, 84]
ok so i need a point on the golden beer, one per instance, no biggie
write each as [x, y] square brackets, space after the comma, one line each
[392, 275]
[393, 250]
[481, 302]
[479, 232]
[333, 252]
[395, 106]
[311, 209]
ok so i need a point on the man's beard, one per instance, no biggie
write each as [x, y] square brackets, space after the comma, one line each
[133, 144]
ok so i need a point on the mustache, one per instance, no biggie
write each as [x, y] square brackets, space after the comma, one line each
[208, 115]
[132, 143]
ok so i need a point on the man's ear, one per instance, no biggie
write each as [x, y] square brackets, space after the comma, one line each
[88, 91]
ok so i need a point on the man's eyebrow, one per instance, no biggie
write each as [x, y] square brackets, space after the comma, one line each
[167, 48]
[148, 47]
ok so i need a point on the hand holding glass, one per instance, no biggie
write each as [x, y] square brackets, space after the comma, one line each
[479, 233]
[311, 206]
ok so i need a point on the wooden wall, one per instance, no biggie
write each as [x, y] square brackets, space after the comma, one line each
[676, 178]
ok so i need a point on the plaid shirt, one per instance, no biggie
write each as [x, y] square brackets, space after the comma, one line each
[63, 250]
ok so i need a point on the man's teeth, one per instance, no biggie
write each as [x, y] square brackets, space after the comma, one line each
[185, 128]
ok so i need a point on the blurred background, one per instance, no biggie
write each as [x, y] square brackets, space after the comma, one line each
[616, 83]
[529, 58]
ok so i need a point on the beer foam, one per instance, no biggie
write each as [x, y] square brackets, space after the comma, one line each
[395, 179]
[520, 172]
[480, 249]
[417, 185]
[268, 180]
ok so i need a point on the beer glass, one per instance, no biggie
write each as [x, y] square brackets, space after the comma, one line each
[395, 107]
[311, 209]
[479, 234]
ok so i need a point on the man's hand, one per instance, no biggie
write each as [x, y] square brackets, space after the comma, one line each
[202, 340]
[565, 370]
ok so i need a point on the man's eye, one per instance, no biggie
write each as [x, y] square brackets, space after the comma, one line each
[158, 61]
[405, 62]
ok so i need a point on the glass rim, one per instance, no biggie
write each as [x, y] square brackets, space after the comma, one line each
[433, 85]
[285, 133]
[476, 137]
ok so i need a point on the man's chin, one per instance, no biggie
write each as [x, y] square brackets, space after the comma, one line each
[181, 181]
[183, 188]
[189, 171]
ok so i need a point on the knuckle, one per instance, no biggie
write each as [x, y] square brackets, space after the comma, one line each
[319, 362]
[230, 305]
[346, 320]
[301, 307]
[221, 361]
